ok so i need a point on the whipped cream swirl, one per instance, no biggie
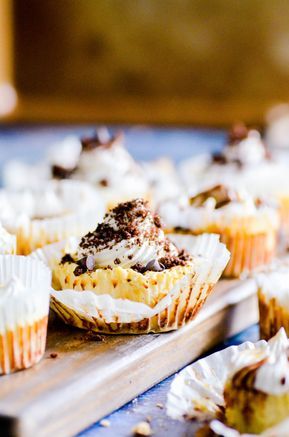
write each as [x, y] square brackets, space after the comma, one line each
[129, 235]
[272, 374]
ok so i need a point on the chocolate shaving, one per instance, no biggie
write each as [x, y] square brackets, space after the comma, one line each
[100, 138]
[220, 193]
[59, 172]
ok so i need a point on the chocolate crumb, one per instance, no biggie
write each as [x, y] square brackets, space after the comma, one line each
[157, 221]
[66, 259]
[105, 423]
[117, 261]
[61, 172]
[92, 336]
[53, 355]
[103, 182]
[142, 429]
[283, 380]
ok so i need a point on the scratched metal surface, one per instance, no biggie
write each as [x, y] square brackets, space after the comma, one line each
[29, 143]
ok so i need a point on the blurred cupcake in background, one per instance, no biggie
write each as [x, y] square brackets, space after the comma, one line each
[49, 213]
[127, 277]
[105, 163]
[99, 159]
[248, 227]
[245, 162]
[273, 296]
[243, 157]
[24, 304]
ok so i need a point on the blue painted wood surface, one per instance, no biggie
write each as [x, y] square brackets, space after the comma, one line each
[29, 144]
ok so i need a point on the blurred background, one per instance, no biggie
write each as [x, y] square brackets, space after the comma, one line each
[185, 62]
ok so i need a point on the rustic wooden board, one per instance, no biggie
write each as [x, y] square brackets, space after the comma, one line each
[88, 379]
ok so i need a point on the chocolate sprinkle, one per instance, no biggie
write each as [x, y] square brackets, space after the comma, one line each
[61, 172]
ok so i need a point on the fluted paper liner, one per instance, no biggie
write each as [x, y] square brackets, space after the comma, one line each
[180, 304]
[273, 299]
[250, 247]
[35, 233]
[23, 318]
[197, 391]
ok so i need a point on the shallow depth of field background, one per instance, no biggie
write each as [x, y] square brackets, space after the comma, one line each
[205, 62]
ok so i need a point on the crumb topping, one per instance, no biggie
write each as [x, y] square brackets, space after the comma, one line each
[100, 138]
[129, 236]
[222, 195]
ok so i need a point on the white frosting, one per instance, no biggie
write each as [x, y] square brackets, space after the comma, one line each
[7, 242]
[140, 249]
[65, 153]
[179, 212]
[275, 285]
[248, 151]
[114, 165]
[24, 291]
[260, 176]
[18, 175]
[272, 377]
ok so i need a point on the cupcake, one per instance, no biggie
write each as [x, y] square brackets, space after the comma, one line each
[49, 213]
[273, 296]
[24, 304]
[127, 277]
[7, 242]
[240, 389]
[257, 395]
[248, 227]
[244, 163]
[99, 159]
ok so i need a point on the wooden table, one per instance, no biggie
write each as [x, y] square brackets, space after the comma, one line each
[143, 143]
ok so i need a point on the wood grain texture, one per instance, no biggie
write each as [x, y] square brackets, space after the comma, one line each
[88, 378]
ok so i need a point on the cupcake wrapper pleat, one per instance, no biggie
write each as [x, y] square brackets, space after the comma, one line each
[23, 315]
[22, 347]
[272, 316]
[248, 250]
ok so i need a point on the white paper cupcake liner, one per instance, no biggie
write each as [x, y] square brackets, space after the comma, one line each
[197, 391]
[24, 313]
[103, 313]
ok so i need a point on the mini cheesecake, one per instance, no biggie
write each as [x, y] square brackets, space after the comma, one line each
[257, 395]
[128, 277]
